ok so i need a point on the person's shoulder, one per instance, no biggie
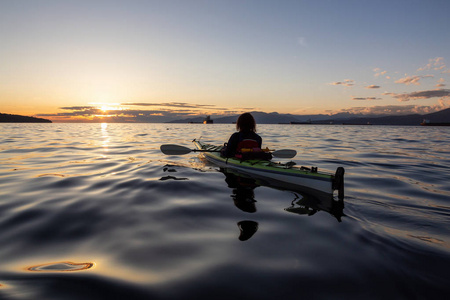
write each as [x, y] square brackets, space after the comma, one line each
[234, 135]
[257, 137]
[255, 134]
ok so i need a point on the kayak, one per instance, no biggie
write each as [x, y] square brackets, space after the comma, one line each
[277, 173]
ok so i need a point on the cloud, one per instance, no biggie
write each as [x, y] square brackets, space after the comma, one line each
[396, 109]
[346, 82]
[412, 79]
[436, 64]
[373, 86]
[365, 98]
[301, 41]
[204, 107]
[145, 112]
[409, 80]
[439, 93]
[440, 83]
[168, 104]
[79, 111]
[380, 73]
[121, 115]
[78, 107]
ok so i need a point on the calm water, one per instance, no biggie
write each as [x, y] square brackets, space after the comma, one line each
[95, 211]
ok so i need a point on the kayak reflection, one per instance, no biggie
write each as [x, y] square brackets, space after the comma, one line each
[243, 191]
[309, 205]
[248, 229]
[304, 203]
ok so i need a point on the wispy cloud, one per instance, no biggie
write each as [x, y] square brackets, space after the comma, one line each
[395, 109]
[145, 112]
[378, 72]
[437, 64]
[169, 104]
[365, 98]
[440, 83]
[412, 79]
[346, 82]
[97, 115]
[78, 107]
[302, 41]
[439, 93]
[373, 86]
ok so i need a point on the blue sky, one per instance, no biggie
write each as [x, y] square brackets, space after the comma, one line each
[218, 57]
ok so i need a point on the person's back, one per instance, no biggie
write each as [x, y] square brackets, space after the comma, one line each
[246, 138]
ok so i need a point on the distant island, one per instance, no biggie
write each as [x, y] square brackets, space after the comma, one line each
[7, 118]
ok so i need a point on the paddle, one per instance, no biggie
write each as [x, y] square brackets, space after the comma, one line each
[171, 149]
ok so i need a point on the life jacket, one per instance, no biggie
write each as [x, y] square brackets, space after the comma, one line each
[249, 149]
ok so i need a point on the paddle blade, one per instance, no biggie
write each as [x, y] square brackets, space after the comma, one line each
[171, 149]
[285, 153]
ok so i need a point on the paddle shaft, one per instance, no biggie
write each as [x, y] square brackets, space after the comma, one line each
[171, 149]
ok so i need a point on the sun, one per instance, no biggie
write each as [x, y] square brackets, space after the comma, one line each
[105, 108]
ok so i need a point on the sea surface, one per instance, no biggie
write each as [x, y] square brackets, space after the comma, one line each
[96, 211]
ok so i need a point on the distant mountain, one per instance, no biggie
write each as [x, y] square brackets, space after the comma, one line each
[190, 120]
[340, 118]
[260, 118]
[442, 116]
[7, 118]
[414, 119]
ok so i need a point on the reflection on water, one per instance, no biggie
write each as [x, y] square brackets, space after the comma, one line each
[310, 205]
[243, 194]
[170, 227]
[247, 228]
[65, 266]
[105, 137]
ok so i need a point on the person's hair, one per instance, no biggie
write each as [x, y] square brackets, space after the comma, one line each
[246, 122]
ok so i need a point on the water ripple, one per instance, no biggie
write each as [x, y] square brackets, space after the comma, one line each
[65, 266]
[172, 227]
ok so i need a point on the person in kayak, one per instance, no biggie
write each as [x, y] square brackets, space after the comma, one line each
[246, 143]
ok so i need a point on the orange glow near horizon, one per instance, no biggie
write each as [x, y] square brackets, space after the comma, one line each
[55, 66]
[151, 112]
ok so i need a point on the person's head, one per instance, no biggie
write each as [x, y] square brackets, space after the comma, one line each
[246, 122]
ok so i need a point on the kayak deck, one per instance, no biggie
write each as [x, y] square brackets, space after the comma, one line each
[276, 172]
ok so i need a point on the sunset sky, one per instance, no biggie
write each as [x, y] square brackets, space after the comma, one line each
[160, 60]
